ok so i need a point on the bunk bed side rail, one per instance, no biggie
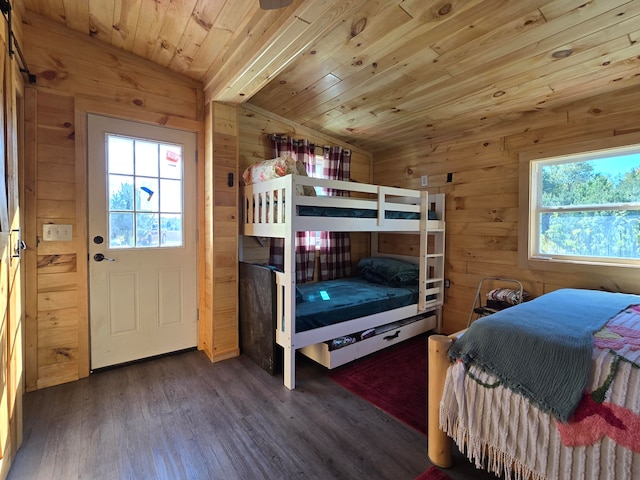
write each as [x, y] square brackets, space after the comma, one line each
[263, 212]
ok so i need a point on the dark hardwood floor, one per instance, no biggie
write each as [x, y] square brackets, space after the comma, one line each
[182, 417]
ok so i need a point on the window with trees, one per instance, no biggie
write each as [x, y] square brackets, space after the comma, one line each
[145, 193]
[585, 208]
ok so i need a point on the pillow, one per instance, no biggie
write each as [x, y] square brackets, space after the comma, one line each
[268, 169]
[277, 167]
[389, 271]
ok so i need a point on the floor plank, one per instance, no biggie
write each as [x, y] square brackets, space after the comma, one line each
[182, 417]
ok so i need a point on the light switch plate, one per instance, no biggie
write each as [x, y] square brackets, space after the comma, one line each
[57, 233]
[424, 180]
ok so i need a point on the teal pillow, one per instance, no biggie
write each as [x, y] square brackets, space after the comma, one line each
[388, 271]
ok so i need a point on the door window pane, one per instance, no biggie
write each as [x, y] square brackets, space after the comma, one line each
[171, 161]
[147, 230]
[120, 156]
[145, 193]
[171, 234]
[171, 200]
[121, 230]
[146, 158]
[120, 192]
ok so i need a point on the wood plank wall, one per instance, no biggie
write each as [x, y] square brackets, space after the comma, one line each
[75, 75]
[219, 338]
[11, 267]
[255, 125]
[482, 199]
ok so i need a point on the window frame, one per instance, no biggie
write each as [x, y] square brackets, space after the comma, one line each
[586, 150]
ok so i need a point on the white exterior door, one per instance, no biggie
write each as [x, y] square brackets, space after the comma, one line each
[142, 240]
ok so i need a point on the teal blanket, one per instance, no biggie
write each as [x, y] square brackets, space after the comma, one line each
[542, 349]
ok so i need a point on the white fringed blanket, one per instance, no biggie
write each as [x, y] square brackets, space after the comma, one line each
[501, 431]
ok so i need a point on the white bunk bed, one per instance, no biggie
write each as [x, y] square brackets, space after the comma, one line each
[272, 209]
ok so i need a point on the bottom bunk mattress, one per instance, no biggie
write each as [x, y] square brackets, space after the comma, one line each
[334, 301]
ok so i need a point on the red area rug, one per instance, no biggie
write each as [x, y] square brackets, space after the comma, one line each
[433, 474]
[393, 379]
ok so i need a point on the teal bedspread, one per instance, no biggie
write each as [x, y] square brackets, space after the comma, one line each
[335, 301]
[542, 349]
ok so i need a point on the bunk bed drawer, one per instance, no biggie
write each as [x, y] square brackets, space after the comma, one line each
[390, 334]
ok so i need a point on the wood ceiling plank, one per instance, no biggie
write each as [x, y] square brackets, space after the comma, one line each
[351, 39]
[173, 28]
[592, 48]
[603, 80]
[101, 19]
[307, 94]
[389, 69]
[227, 26]
[150, 18]
[482, 26]
[126, 15]
[510, 41]
[596, 67]
[558, 8]
[265, 60]
[313, 62]
[420, 32]
[491, 73]
[560, 83]
[587, 50]
[200, 23]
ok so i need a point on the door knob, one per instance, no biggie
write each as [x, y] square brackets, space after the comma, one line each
[98, 257]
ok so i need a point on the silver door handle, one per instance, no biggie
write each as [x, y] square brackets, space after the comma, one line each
[98, 257]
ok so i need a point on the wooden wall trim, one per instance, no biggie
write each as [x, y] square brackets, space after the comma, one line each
[81, 247]
[205, 262]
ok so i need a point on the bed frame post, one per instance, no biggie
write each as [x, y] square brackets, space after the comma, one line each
[439, 444]
[289, 367]
[290, 285]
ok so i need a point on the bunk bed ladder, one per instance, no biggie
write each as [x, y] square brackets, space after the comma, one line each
[432, 254]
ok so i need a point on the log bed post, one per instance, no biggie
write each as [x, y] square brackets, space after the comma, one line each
[439, 444]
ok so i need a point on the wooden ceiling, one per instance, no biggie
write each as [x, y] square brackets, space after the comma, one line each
[380, 73]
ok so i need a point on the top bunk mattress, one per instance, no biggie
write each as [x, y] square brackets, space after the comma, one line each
[335, 301]
[313, 211]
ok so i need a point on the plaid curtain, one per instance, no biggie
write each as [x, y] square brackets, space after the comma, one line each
[305, 243]
[335, 247]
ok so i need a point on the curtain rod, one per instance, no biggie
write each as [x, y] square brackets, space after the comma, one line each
[280, 136]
